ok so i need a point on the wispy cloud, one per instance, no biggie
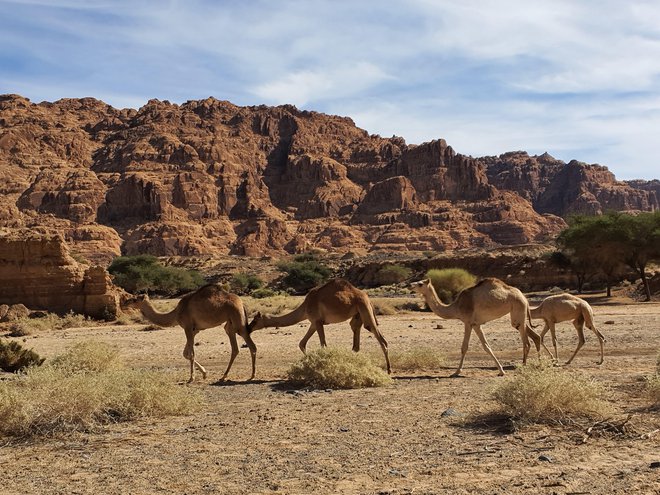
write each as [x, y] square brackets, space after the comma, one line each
[577, 79]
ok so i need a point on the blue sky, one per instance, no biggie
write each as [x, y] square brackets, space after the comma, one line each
[578, 79]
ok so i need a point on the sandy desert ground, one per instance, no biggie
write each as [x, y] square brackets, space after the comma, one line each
[263, 437]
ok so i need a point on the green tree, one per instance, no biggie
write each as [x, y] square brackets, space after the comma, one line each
[448, 282]
[304, 272]
[145, 273]
[641, 234]
[245, 283]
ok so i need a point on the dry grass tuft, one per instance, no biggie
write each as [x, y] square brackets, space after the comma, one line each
[14, 357]
[653, 390]
[274, 305]
[50, 322]
[85, 388]
[417, 359]
[539, 393]
[337, 368]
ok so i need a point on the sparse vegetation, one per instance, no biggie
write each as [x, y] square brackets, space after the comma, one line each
[14, 357]
[541, 393]
[263, 293]
[417, 359]
[84, 388]
[145, 273]
[305, 272]
[49, 322]
[245, 283]
[448, 282]
[392, 274]
[334, 368]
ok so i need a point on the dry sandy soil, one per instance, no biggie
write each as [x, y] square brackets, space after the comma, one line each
[262, 437]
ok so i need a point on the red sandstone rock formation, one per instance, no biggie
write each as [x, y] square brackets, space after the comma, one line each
[209, 177]
[37, 270]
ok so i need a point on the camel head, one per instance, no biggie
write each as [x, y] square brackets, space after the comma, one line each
[422, 287]
[257, 323]
[133, 302]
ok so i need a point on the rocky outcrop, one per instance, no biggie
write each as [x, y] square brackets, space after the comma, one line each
[38, 271]
[566, 188]
[210, 177]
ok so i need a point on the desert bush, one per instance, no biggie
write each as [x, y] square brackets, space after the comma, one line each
[448, 282]
[392, 274]
[419, 358]
[245, 283]
[51, 321]
[304, 272]
[336, 368]
[145, 272]
[14, 357]
[88, 356]
[653, 390]
[384, 307]
[85, 388]
[263, 293]
[273, 305]
[541, 393]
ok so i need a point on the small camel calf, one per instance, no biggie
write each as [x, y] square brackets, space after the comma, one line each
[564, 307]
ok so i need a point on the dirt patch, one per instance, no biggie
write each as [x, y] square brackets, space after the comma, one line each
[262, 437]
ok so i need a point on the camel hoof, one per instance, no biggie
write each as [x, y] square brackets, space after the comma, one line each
[456, 375]
[501, 373]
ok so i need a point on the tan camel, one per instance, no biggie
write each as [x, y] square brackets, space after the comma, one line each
[207, 307]
[564, 307]
[333, 302]
[488, 300]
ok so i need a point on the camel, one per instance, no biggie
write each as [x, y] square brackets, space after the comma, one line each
[333, 302]
[207, 307]
[564, 307]
[488, 300]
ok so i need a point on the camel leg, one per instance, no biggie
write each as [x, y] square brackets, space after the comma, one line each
[484, 344]
[601, 341]
[253, 352]
[303, 342]
[189, 354]
[383, 345]
[553, 334]
[356, 326]
[578, 324]
[234, 350]
[464, 349]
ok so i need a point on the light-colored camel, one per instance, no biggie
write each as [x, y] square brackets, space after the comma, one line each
[564, 307]
[488, 300]
[333, 302]
[207, 307]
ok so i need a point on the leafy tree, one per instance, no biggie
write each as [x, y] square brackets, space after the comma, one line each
[448, 282]
[145, 273]
[392, 274]
[607, 242]
[304, 272]
[245, 283]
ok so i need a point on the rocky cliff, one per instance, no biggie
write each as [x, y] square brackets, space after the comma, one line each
[210, 177]
[38, 271]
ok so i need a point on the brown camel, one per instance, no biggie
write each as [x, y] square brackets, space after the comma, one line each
[488, 300]
[207, 307]
[564, 307]
[333, 302]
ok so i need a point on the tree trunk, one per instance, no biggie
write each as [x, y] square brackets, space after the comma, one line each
[642, 273]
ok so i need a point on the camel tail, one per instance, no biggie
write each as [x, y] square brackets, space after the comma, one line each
[245, 324]
[529, 317]
[588, 317]
[373, 313]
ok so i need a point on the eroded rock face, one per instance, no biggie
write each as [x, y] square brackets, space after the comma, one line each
[38, 271]
[209, 177]
[567, 188]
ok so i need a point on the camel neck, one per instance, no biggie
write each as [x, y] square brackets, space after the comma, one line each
[169, 319]
[436, 305]
[297, 315]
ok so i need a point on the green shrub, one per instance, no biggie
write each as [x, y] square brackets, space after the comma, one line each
[87, 387]
[448, 282]
[542, 393]
[14, 357]
[245, 283]
[145, 272]
[336, 368]
[392, 274]
[304, 272]
[263, 293]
